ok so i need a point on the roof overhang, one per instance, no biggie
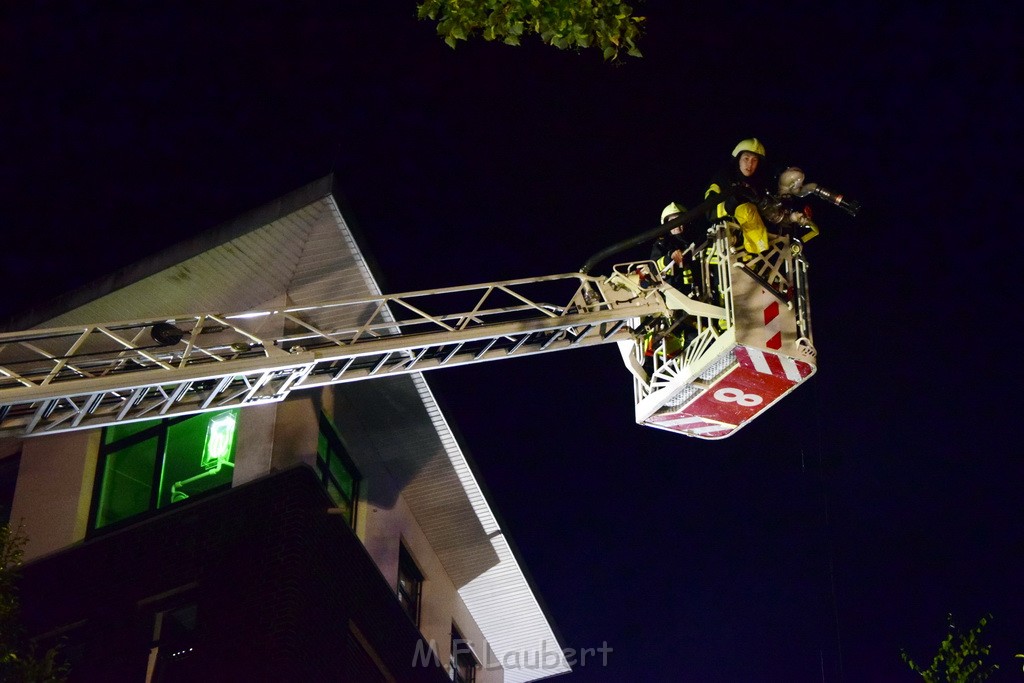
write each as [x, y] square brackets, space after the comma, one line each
[301, 249]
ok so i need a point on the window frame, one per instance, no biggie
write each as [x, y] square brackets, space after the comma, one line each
[464, 657]
[410, 602]
[160, 431]
[338, 450]
[155, 618]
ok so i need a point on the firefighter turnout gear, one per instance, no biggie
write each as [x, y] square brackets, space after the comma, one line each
[669, 252]
[742, 206]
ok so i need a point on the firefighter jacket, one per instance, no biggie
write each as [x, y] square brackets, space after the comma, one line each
[741, 206]
[678, 276]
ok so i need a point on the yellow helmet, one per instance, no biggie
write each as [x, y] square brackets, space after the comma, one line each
[671, 211]
[749, 145]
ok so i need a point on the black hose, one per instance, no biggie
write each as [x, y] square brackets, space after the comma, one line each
[700, 211]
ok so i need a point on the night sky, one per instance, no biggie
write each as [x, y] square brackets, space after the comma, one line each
[840, 526]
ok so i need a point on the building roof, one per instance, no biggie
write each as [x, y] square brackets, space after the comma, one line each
[299, 250]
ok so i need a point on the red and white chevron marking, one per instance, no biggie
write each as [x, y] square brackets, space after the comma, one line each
[690, 424]
[773, 326]
[773, 364]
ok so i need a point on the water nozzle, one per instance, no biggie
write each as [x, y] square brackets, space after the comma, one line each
[850, 206]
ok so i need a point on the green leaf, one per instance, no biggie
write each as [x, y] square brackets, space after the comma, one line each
[608, 25]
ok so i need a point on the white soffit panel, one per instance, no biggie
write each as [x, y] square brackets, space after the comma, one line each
[500, 600]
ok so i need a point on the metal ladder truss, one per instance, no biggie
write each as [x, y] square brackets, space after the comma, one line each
[81, 377]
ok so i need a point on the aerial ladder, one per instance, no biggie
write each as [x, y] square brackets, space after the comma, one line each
[748, 346]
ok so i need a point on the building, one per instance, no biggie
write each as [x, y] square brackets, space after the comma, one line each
[339, 535]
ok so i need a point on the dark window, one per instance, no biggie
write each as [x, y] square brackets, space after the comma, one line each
[462, 664]
[410, 584]
[146, 466]
[174, 643]
[337, 473]
[8, 479]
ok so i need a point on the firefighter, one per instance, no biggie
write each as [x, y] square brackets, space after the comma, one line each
[666, 338]
[747, 173]
[669, 252]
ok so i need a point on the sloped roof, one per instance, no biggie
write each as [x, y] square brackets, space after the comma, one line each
[300, 248]
[289, 246]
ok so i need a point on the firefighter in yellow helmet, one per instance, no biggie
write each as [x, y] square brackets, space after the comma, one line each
[669, 252]
[666, 338]
[747, 172]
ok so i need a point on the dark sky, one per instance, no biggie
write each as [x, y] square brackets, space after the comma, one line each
[837, 528]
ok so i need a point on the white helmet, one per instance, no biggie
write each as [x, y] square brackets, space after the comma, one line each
[791, 181]
[671, 211]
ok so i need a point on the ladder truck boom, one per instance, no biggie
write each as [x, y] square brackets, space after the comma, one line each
[70, 378]
[747, 345]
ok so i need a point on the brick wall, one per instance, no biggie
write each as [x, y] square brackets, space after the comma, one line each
[277, 581]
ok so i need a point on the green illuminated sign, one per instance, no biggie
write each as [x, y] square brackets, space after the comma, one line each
[220, 437]
[218, 452]
[148, 465]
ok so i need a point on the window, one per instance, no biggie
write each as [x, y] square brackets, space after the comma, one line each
[462, 664]
[8, 479]
[337, 473]
[410, 584]
[174, 642]
[171, 623]
[145, 466]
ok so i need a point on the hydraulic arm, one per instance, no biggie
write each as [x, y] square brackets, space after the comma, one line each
[63, 379]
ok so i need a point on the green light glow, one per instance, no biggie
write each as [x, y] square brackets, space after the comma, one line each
[218, 452]
[138, 475]
[220, 438]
